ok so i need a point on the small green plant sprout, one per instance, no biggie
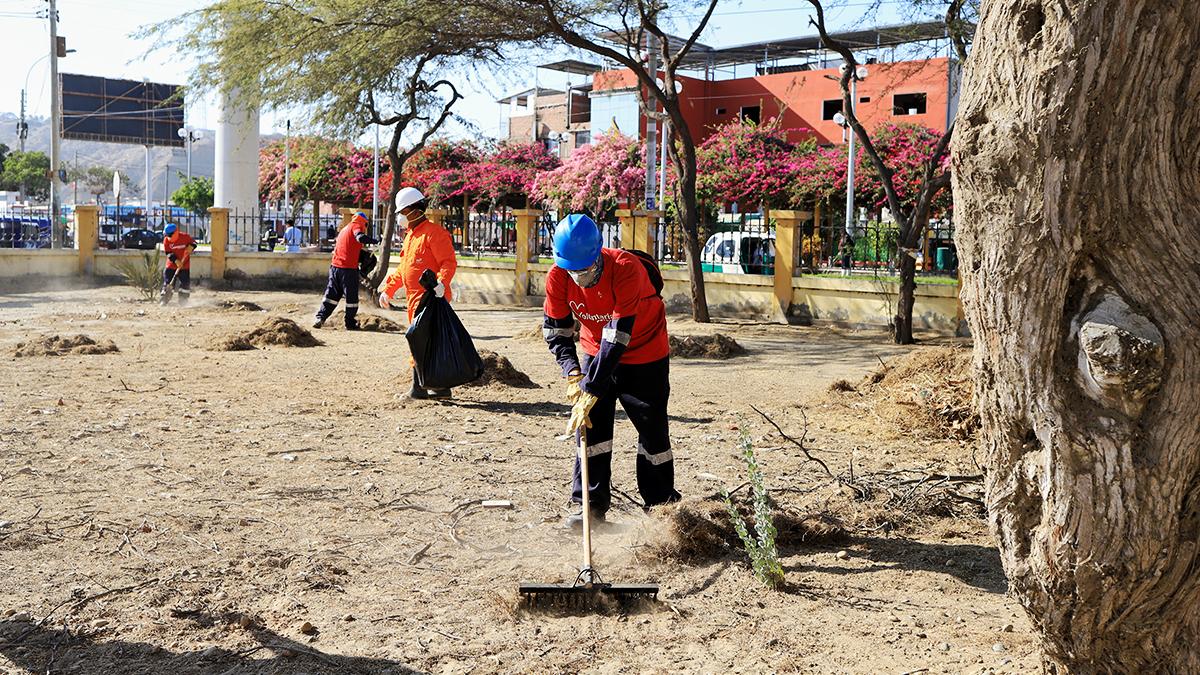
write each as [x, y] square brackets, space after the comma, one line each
[760, 547]
[143, 274]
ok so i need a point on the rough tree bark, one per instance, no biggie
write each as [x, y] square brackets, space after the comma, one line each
[1077, 190]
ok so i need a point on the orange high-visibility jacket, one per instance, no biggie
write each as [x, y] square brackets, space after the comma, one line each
[426, 246]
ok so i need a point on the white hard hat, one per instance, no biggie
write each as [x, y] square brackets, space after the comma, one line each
[408, 196]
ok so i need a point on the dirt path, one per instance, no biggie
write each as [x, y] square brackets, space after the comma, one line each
[171, 509]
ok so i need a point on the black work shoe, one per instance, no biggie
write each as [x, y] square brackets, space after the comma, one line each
[319, 322]
[575, 520]
[440, 393]
[352, 326]
[417, 393]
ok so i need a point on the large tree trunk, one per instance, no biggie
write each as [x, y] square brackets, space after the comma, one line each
[902, 323]
[683, 156]
[1077, 188]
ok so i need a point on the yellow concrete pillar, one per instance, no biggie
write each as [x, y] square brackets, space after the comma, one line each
[347, 216]
[787, 252]
[527, 228]
[436, 216]
[628, 227]
[87, 236]
[638, 229]
[218, 235]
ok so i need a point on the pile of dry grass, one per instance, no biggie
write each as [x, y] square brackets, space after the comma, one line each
[716, 346]
[699, 530]
[239, 306]
[497, 370]
[274, 331]
[928, 390]
[58, 345]
[371, 323]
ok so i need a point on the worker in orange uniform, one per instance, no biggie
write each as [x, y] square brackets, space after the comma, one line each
[178, 246]
[343, 272]
[426, 246]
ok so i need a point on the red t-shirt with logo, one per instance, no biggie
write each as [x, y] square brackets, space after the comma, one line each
[180, 244]
[347, 248]
[624, 290]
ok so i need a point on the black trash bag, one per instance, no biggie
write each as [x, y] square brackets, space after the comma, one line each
[442, 349]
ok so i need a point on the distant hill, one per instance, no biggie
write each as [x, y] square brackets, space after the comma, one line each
[130, 160]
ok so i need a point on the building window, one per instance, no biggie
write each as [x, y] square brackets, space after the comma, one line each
[864, 99]
[830, 108]
[750, 113]
[582, 138]
[619, 109]
[908, 104]
[720, 111]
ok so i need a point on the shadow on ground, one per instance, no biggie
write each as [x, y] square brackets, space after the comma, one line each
[976, 565]
[44, 649]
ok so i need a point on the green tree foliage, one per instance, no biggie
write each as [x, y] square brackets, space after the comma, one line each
[32, 169]
[194, 194]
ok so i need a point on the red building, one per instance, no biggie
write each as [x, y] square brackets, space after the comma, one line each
[911, 77]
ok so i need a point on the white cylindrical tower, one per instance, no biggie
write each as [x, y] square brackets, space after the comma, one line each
[235, 183]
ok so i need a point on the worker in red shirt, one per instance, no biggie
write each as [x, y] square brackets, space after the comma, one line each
[343, 272]
[626, 358]
[427, 246]
[178, 247]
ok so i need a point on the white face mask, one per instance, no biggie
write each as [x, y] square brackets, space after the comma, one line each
[588, 276]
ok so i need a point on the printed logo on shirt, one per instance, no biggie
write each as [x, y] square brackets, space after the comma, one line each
[577, 308]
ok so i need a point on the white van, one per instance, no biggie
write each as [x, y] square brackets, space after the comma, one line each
[739, 252]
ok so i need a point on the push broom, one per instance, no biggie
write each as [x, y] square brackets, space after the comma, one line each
[588, 592]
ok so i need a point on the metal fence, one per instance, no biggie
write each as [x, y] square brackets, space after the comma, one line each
[136, 228]
[873, 248]
[745, 244]
[24, 229]
[264, 231]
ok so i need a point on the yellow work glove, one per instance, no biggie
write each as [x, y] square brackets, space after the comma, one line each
[573, 390]
[579, 412]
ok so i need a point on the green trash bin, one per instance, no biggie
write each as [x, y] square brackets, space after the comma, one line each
[943, 258]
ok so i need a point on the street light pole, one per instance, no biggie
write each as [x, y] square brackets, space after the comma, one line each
[850, 162]
[56, 231]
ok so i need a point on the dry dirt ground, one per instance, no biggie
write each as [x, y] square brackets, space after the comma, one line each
[169, 509]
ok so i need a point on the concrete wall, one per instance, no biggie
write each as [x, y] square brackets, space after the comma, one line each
[821, 300]
[16, 263]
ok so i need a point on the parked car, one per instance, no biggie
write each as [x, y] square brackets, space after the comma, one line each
[143, 239]
[739, 252]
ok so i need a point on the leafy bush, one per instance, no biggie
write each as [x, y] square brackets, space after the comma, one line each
[761, 549]
[143, 274]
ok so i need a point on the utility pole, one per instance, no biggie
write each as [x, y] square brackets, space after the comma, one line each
[287, 173]
[56, 229]
[22, 127]
[651, 125]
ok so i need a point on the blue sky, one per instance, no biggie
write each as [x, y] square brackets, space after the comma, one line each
[100, 29]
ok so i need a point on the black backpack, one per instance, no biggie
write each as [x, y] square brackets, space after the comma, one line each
[656, 277]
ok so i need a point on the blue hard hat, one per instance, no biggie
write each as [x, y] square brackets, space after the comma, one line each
[170, 229]
[577, 242]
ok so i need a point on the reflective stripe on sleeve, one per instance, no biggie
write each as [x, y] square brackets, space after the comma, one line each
[616, 337]
[551, 333]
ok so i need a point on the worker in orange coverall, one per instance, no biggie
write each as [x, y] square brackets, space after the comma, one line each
[427, 246]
